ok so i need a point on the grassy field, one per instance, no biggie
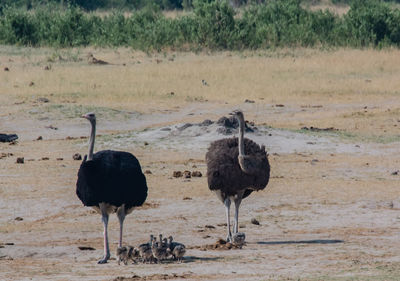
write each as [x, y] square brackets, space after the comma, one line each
[330, 211]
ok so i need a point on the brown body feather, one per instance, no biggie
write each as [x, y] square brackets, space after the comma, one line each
[224, 172]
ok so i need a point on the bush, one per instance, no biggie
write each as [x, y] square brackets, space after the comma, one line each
[213, 24]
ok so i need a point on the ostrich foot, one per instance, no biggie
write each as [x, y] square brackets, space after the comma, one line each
[103, 260]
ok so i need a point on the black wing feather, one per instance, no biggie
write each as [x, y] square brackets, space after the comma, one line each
[113, 177]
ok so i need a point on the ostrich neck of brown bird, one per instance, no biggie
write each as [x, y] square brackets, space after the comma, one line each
[241, 137]
[91, 141]
[242, 157]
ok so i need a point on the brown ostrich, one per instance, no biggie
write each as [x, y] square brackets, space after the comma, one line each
[235, 168]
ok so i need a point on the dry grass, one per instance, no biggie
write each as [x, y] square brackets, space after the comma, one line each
[149, 83]
[134, 79]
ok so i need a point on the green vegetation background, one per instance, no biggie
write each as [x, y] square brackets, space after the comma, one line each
[210, 24]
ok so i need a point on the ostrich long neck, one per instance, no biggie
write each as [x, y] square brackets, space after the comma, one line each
[241, 136]
[91, 141]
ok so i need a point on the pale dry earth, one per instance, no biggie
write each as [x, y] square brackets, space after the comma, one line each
[330, 212]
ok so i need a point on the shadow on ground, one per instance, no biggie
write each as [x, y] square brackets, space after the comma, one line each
[316, 241]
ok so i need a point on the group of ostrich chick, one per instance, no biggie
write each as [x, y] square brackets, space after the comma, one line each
[152, 251]
[113, 182]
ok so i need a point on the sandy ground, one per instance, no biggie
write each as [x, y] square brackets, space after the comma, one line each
[329, 212]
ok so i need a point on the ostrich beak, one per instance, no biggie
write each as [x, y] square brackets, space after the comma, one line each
[234, 112]
[84, 116]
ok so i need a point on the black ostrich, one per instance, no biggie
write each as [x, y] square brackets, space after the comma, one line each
[235, 168]
[110, 182]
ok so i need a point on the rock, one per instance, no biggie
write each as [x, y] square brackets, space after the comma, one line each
[148, 172]
[206, 122]
[187, 174]
[31, 84]
[77, 156]
[187, 125]
[255, 221]
[43, 100]
[177, 174]
[51, 127]
[6, 69]
[39, 138]
[20, 160]
[395, 173]
[249, 101]
[45, 158]
[86, 248]
[19, 219]
[197, 174]
[60, 159]
[8, 138]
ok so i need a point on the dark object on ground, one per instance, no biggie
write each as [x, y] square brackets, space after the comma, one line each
[86, 248]
[77, 156]
[8, 138]
[20, 160]
[254, 221]
[197, 174]
[315, 129]
[177, 174]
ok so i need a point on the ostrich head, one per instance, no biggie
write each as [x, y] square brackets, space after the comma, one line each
[238, 114]
[90, 116]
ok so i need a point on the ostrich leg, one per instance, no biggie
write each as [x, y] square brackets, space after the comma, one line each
[237, 202]
[227, 204]
[121, 213]
[104, 218]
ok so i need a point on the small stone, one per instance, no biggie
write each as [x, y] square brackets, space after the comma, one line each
[31, 84]
[39, 138]
[45, 158]
[255, 221]
[148, 172]
[77, 156]
[197, 174]
[6, 69]
[20, 160]
[19, 219]
[177, 174]
[187, 174]
[60, 159]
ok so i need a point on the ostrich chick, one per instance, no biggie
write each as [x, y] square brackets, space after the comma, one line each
[125, 253]
[238, 239]
[145, 251]
[159, 252]
[178, 252]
